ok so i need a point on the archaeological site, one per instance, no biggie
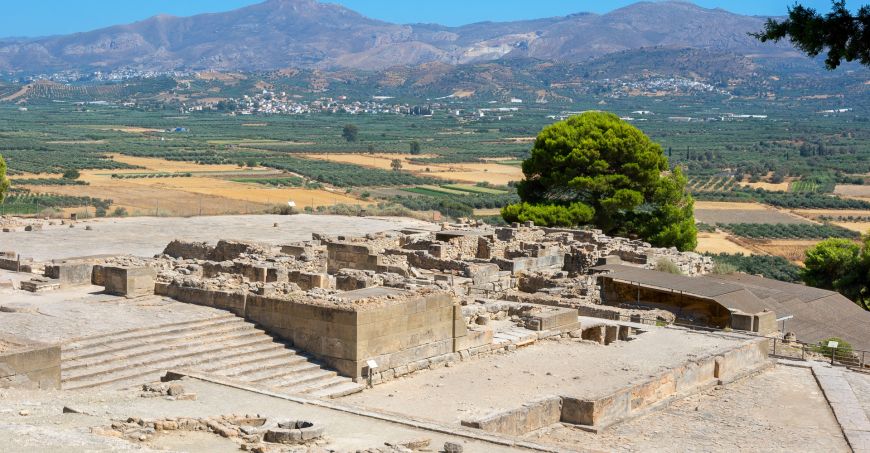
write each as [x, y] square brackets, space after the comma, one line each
[343, 334]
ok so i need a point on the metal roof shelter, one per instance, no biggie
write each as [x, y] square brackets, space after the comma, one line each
[728, 295]
[818, 314]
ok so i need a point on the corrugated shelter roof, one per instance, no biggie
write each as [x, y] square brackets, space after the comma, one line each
[728, 295]
[818, 313]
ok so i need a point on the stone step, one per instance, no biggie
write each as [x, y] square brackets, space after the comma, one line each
[234, 358]
[167, 343]
[300, 377]
[150, 337]
[83, 342]
[144, 374]
[308, 387]
[344, 388]
[286, 372]
[159, 358]
[265, 367]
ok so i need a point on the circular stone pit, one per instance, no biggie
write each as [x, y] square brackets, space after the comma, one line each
[294, 432]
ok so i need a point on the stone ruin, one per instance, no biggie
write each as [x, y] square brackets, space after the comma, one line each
[407, 300]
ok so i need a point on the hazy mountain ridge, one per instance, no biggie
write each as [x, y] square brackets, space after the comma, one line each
[307, 34]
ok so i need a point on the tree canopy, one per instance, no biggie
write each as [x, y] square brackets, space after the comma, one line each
[845, 37]
[350, 132]
[840, 265]
[595, 168]
[4, 182]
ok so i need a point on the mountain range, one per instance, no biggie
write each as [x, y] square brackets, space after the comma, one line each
[307, 34]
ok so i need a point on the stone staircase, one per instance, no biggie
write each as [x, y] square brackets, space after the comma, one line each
[225, 345]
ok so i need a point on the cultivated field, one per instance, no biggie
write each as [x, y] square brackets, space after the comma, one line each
[816, 213]
[713, 212]
[860, 227]
[719, 242]
[791, 249]
[205, 192]
[491, 172]
[852, 191]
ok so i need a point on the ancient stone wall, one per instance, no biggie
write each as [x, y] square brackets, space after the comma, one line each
[688, 308]
[29, 365]
[188, 250]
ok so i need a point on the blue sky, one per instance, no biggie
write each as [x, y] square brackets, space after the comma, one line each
[47, 17]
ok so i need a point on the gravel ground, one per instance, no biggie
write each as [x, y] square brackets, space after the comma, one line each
[479, 387]
[44, 428]
[82, 311]
[780, 410]
[147, 236]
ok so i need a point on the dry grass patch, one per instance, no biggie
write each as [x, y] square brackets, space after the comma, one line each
[166, 166]
[860, 227]
[816, 213]
[782, 186]
[730, 205]
[471, 172]
[852, 191]
[721, 212]
[719, 242]
[791, 249]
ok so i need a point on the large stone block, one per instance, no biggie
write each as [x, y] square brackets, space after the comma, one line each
[129, 281]
[70, 274]
[30, 366]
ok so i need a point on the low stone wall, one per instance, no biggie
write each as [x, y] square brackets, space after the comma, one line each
[600, 412]
[10, 261]
[677, 382]
[232, 301]
[516, 422]
[70, 273]
[29, 365]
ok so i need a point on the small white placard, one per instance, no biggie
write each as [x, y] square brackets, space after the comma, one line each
[833, 344]
[371, 364]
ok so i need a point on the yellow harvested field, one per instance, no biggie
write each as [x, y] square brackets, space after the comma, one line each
[165, 166]
[860, 227]
[783, 186]
[128, 129]
[255, 193]
[816, 213]
[471, 172]
[728, 205]
[719, 242]
[190, 195]
[852, 191]
[791, 249]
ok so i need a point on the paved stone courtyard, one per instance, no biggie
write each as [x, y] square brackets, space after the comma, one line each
[147, 236]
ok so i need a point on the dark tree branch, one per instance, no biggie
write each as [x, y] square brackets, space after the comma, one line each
[843, 36]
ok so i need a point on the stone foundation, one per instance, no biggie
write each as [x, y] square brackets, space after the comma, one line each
[29, 365]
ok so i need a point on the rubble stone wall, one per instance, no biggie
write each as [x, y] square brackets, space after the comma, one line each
[690, 308]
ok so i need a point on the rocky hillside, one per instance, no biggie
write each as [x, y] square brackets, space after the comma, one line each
[307, 34]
